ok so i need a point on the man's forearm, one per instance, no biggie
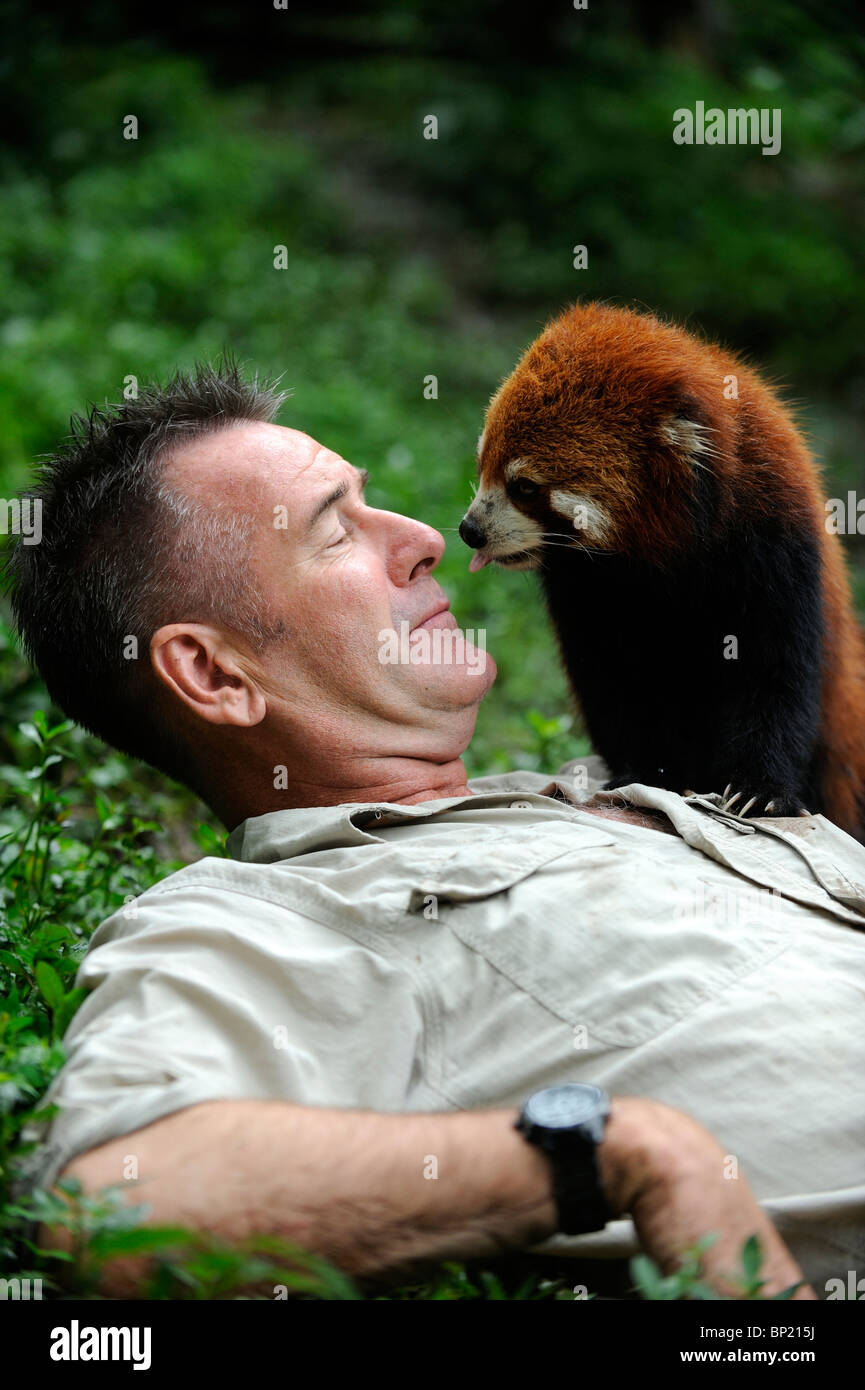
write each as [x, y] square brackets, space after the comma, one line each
[375, 1193]
[372, 1192]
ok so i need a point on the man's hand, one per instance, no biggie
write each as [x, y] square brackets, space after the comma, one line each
[669, 1174]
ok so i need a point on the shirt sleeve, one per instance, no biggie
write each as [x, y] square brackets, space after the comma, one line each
[201, 993]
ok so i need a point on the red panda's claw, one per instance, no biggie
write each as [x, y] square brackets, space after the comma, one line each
[782, 804]
[727, 790]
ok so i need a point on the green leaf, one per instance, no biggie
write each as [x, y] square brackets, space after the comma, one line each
[107, 1244]
[70, 1006]
[60, 729]
[51, 933]
[647, 1276]
[16, 1024]
[752, 1258]
[50, 985]
[210, 841]
[493, 1285]
[786, 1294]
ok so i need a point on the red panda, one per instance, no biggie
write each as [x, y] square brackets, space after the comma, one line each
[676, 519]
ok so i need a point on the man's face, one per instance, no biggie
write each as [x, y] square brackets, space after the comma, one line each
[341, 576]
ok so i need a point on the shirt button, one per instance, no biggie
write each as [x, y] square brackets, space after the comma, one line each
[520, 806]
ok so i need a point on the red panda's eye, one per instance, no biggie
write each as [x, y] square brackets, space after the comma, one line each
[524, 487]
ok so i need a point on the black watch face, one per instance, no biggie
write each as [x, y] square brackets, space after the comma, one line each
[559, 1107]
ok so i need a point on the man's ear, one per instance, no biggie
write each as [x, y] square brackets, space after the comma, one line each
[200, 666]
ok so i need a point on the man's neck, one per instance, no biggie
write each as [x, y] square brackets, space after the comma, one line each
[401, 781]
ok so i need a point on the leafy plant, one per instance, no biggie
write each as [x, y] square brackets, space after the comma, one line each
[687, 1281]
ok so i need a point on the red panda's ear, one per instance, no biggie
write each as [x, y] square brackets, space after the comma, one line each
[686, 431]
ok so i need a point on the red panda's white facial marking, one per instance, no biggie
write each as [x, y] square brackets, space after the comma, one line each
[500, 533]
[592, 522]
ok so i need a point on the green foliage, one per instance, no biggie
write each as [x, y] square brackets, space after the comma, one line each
[687, 1281]
[185, 1264]
[68, 858]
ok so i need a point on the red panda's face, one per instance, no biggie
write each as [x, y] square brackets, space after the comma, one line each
[529, 498]
[591, 443]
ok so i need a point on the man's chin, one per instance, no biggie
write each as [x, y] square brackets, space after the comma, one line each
[458, 686]
[476, 673]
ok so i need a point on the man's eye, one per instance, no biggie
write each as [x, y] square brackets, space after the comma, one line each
[339, 540]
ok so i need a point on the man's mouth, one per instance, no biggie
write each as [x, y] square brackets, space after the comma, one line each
[440, 617]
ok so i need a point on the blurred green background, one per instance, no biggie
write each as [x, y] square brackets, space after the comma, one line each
[406, 256]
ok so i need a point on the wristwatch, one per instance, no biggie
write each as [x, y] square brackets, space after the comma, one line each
[568, 1122]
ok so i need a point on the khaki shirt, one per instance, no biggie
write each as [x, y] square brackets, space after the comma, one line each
[461, 953]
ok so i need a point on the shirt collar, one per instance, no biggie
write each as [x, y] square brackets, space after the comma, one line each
[280, 835]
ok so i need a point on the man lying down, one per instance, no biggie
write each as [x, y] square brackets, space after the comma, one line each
[413, 1018]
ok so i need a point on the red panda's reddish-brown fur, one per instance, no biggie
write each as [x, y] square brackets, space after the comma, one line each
[842, 721]
[699, 485]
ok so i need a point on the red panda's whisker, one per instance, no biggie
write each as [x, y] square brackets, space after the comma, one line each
[556, 542]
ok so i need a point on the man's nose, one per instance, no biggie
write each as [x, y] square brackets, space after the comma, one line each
[472, 533]
[413, 548]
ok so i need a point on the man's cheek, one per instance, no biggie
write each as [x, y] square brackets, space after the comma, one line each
[337, 612]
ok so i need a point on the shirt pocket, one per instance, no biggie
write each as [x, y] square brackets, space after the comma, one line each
[496, 862]
[611, 940]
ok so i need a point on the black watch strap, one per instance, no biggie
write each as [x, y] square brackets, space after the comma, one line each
[580, 1199]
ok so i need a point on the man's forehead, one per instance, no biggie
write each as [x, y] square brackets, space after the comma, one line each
[253, 461]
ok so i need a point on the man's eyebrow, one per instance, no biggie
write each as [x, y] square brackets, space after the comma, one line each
[361, 476]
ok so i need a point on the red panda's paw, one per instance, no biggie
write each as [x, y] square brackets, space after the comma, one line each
[761, 801]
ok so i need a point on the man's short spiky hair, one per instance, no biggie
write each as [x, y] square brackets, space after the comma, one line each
[121, 553]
